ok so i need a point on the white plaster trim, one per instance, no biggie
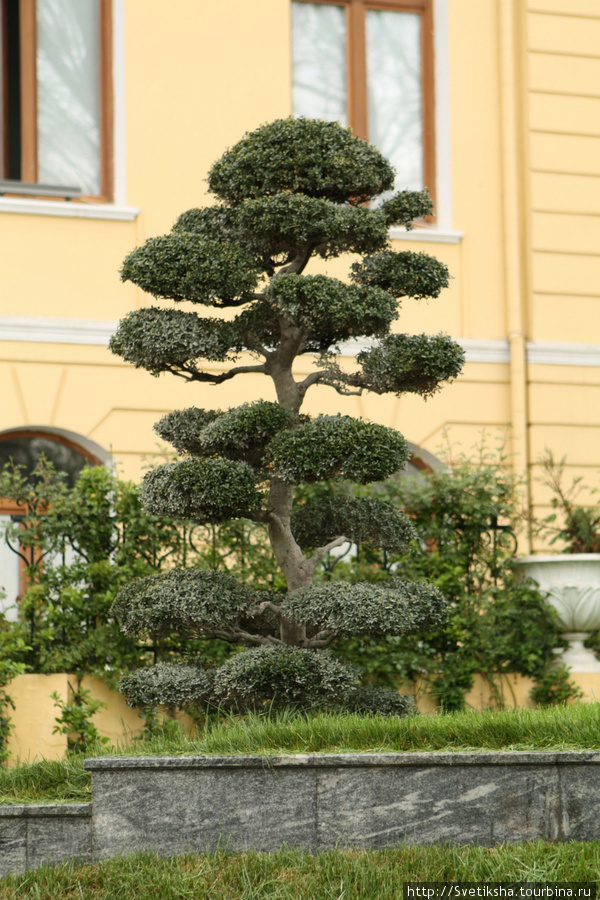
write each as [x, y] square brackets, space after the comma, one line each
[47, 330]
[554, 353]
[40, 329]
[485, 351]
[68, 209]
[425, 235]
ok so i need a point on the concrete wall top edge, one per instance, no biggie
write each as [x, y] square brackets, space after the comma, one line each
[324, 760]
[45, 810]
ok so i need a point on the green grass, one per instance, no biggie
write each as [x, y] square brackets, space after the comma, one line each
[558, 728]
[295, 875]
[48, 781]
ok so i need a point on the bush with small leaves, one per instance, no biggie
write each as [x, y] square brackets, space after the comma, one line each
[282, 677]
[243, 433]
[203, 490]
[301, 156]
[163, 340]
[182, 428]
[391, 607]
[406, 206]
[374, 700]
[362, 520]
[403, 274]
[186, 266]
[337, 447]
[282, 222]
[331, 309]
[167, 684]
[414, 363]
[190, 601]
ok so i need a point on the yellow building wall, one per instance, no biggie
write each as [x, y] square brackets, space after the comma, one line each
[524, 135]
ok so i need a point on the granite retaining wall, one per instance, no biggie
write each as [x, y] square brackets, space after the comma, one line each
[362, 800]
[311, 802]
[39, 833]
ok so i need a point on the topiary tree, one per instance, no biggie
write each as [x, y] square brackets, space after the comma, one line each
[288, 192]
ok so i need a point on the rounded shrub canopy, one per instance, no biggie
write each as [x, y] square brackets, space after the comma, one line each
[166, 684]
[187, 601]
[204, 490]
[182, 427]
[306, 156]
[243, 432]
[403, 274]
[392, 607]
[362, 520]
[280, 677]
[187, 266]
[162, 340]
[337, 447]
[334, 311]
[411, 363]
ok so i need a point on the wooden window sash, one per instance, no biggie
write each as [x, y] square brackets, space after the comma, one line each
[28, 86]
[28, 68]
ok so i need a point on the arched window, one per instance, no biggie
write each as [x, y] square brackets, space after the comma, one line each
[69, 453]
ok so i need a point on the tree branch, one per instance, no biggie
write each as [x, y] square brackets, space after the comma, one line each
[297, 266]
[344, 391]
[238, 636]
[266, 604]
[313, 378]
[320, 553]
[322, 639]
[213, 378]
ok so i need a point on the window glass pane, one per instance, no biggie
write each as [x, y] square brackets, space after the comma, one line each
[9, 574]
[394, 92]
[25, 451]
[68, 94]
[319, 62]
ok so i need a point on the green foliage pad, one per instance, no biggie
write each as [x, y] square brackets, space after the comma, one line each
[288, 192]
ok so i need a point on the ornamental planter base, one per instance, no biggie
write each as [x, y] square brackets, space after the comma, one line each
[571, 584]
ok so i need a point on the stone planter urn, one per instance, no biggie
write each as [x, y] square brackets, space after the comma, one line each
[571, 584]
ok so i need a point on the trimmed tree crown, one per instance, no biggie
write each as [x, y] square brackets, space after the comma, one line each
[290, 191]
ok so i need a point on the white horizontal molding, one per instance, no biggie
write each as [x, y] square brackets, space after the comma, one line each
[68, 209]
[40, 329]
[426, 235]
[46, 330]
[555, 353]
[485, 351]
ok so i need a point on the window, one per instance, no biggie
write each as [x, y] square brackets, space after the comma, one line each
[55, 98]
[369, 64]
[69, 453]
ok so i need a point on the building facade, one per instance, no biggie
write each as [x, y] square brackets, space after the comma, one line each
[114, 110]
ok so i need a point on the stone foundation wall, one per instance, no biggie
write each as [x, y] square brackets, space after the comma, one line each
[311, 802]
[43, 833]
[319, 801]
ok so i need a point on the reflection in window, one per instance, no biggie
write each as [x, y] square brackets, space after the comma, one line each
[25, 451]
[319, 62]
[366, 67]
[68, 94]
[394, 100]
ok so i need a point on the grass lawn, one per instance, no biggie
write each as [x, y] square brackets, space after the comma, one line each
[292, 875]
[574, 727]
[331, 875]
